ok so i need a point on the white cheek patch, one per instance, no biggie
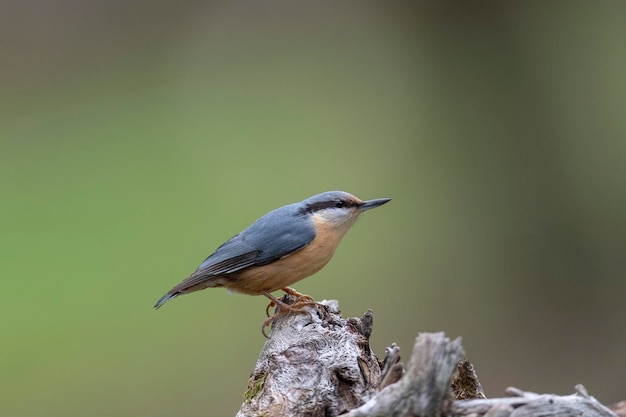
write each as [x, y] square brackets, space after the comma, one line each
[336, 218]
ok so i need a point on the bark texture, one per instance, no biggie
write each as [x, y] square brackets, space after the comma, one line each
[315, 364]
[530, 404]
[319, 364]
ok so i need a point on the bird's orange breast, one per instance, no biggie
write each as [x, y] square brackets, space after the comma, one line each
[290, 269]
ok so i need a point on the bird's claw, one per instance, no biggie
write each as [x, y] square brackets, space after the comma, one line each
[298, 305]
[301, 300]
[296, 294]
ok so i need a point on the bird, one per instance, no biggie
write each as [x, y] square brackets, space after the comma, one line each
[279, 249]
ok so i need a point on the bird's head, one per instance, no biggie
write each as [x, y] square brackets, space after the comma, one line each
[338, 209]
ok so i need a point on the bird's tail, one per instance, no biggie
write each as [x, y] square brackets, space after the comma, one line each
[166, 298]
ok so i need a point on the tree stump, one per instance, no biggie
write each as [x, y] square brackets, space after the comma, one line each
[321, 365]
[313, 365]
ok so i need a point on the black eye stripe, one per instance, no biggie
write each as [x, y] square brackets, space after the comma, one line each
[313, 207]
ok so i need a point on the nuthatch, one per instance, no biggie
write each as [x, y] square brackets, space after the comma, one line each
[279, 249]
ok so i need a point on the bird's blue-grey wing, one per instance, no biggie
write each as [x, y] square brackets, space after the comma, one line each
[285, 237]
[274, 236]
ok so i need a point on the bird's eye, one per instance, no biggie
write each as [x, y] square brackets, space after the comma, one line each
[339, 204]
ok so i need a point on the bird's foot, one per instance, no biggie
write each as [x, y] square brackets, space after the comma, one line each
[300, 302]
[297, 295]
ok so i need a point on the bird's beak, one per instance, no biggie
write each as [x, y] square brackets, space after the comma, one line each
[370, 204]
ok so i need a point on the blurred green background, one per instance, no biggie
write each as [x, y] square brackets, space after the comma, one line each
[136, 136]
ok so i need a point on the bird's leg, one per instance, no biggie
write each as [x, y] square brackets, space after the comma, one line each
[293, 291]
[284, 309]
[300, 298]
[269, 305]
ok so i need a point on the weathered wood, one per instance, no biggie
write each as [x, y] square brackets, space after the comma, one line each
[425, 388]
[619, 408]
[530, 404]
[465, 384]
[315, 364]
[319, 364]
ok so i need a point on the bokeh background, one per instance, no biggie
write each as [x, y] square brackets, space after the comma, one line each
[136, 136]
